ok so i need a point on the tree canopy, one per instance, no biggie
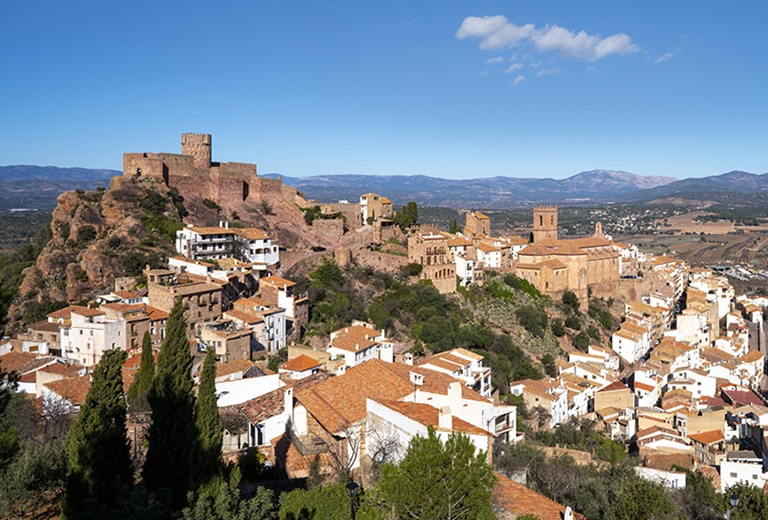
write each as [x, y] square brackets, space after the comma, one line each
[440, 480]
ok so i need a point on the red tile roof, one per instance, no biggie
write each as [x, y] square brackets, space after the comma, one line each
[509, 496]
[300, 363]
[430, 416]
[73, 389]
[340, 401]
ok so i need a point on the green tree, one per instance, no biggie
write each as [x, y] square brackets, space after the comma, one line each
[411, 212]
[328, 275]
[533, 319]
[753, 504]
[581, 341]
[642, 499]
[142, 383]
[571, 301]
[36, 474]
[99, 455]
[9, 437]
[437, 480]
[453, 226]
[173, 449]
[209, 422]
[558, 327]
[223, 502]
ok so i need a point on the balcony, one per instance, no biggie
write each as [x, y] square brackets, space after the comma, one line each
[307, 444]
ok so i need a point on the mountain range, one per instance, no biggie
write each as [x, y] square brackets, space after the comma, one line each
[591, 187]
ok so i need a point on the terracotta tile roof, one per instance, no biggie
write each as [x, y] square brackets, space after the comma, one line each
[85, 311]
[23, 362]
[354, 338]
[430, 416]
[752, 356]
[277, 281]
[73, 389]
[481, 216]
[65, 313]
[708, 437]
[459, 242]
[234, 366]
[246, 317]
[44, 326]
[63, 369]
[340, 401]
[126, 295]
[588, 242]
[272, 403]
[616, 385]
[300, 363]
[643, 386]
[252, 234]
[486, 248]
[509, 496]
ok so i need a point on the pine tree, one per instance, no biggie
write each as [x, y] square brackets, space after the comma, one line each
[142, 384]
[173, 449]
[99, 455]
[209, 422]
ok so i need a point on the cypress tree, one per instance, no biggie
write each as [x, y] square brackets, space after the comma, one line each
[173, 449]
[142, 384]
[209, 422]
[99, 454]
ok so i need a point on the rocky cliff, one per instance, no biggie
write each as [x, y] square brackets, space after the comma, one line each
[102, 235]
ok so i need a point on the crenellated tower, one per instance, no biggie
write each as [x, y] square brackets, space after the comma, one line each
[199, 147]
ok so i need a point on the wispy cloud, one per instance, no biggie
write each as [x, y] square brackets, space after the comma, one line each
[547, 72]
[666, 57]
[512, 68]
[497, 59]
[518, 80]
[496, 32]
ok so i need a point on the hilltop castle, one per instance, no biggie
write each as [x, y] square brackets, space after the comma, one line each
[194, 174]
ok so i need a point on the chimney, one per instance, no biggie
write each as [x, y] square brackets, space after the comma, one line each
[288, 402]
[445, 420]
[408, 359]
[454, 393]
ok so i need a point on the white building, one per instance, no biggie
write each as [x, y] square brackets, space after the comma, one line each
[247, 244]
[465, 365]
[742, 466]
[88, 334]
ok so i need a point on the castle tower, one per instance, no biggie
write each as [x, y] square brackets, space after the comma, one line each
[199, 147]
[544, 223]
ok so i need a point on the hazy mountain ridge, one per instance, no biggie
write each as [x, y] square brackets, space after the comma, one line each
[591, 187]
[491, 193]
[36, 187]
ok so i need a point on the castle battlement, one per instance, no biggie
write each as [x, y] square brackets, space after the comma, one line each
[194, 174]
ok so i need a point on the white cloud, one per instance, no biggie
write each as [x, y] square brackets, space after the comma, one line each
[496, 32]
[512, 68]
[591, 68]
[518, 80]
[497, 59]
[547, 72]
[660, 59]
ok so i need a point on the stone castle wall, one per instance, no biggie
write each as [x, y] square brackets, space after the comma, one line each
[194, 175]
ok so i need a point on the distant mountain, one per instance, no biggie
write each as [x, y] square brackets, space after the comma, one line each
[491, 193]
[731, 187]
[36, 187]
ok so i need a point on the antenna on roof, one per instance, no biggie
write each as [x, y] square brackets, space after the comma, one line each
[417, 380]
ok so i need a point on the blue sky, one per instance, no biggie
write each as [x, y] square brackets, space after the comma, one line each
[443, 88]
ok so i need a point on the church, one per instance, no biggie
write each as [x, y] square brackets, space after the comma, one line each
[554, 266]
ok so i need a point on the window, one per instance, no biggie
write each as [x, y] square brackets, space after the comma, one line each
[733, 474]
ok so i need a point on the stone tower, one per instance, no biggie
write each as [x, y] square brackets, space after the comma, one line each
[199, 147]
[544, 223]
